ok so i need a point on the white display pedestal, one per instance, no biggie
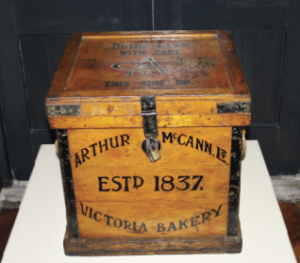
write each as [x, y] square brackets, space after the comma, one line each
[38, 232]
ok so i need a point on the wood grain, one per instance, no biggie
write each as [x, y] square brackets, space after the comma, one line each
[291, 218]
[61, 76]
[160, 209]
[188, 63]
[137, 121]
[150, 246]
[7, 219]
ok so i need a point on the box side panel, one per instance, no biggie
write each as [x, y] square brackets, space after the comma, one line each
[120, 193]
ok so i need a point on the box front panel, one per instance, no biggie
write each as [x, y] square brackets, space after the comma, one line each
[120, 193]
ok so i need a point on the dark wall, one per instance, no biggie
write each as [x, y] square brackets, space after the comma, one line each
[34, 33]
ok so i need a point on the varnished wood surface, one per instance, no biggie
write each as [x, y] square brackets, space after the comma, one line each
[194, 58]
[159, 207]
[150, 246]
[7, 219]
[65, 66]
[291, 216]
[228, 120]
[189, 73]
[199, 58]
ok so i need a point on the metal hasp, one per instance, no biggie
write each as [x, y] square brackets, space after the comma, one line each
[151, 146]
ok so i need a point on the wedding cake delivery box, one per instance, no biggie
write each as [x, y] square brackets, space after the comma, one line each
[149, 131]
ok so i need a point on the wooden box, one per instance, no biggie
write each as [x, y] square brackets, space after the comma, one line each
[149, 128]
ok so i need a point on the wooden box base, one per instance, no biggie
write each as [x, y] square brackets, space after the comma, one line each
[149, 246]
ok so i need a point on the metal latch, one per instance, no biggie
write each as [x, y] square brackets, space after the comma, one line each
[151, 145]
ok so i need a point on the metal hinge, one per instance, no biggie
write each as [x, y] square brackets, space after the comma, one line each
[62, 110]
[233, 107]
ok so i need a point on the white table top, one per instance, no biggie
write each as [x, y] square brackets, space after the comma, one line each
[38, 232]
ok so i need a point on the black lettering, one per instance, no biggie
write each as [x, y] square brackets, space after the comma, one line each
[176, 45]
[171, 52]
[95, 216]
[86, 209]
[84, 153]
[160, 45]
[195, 187]
[182, 82]
[134, 226]
[157, 52]
[156, 183]
[187, 185]
[123, 53]
[168, 45]
[205, 217]
[127, 225]
[185, 44]
[135, 185]
[111, 142]
[190, 141]
[166, 137]
[143, 226]
[167, 182]
[221, 154]
[194, 221]
[134, 53]
[120, 83]
[91, 212]
[182, 224]
[143, 84]
[106, 83]
[118, 183]
[217, 212]
[108, 219]
[141, 53]
[179, 137]
[77, 159]
[115, 83]
[116, 46]
[126, 182]
[94, 149]
[126, 84]
[208, 147]
[138, 46]
[124, 140]
[164, 52]
[172, 226]
[120, 224]
[101, 145]
[160, 227]
[101, 183]
[199, 143]
[124, 46]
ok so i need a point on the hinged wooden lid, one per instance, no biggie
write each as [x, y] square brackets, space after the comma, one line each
[195, 77]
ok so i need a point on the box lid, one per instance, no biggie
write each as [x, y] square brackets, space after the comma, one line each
[195, 77]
